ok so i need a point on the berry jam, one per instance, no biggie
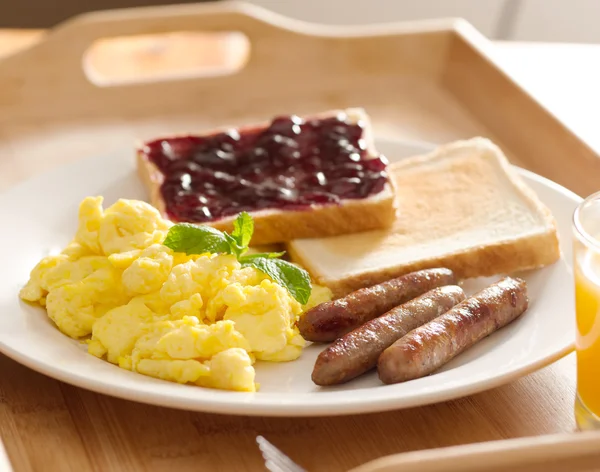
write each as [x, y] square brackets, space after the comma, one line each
[289, 165]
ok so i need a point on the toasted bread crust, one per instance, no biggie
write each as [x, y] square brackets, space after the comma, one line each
[505, 258]
[275, 226]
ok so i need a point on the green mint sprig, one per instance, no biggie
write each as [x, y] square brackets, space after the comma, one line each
[200, 239]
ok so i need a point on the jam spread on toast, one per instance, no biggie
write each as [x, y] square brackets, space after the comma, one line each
[289, 165]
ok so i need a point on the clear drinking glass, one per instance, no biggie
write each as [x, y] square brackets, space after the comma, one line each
[586, 253]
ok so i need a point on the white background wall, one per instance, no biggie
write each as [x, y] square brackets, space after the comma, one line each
[526, 20]
[558, 20]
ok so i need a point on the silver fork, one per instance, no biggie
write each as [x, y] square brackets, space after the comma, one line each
[275, 460]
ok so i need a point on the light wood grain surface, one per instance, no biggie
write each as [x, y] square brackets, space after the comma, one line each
[50, 426]
[12, 40]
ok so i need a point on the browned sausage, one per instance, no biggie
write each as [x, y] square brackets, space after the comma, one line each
[428, 347]
[328, 321]
[358, 351]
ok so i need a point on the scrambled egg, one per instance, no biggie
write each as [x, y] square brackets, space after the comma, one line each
[200, 319]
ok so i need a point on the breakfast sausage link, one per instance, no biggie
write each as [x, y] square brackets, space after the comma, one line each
[357, 352]
[428, 347]
[330, 320]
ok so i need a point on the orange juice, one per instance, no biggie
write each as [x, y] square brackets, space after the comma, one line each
[586, 265]
[587, 295]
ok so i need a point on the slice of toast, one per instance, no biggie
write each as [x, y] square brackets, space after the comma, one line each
[462, 207]
[318, 220]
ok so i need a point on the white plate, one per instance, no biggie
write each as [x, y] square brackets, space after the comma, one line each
[40, 216]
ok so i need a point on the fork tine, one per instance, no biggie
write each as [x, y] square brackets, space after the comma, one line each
[279, 459]
[275, 460]
[271, 458]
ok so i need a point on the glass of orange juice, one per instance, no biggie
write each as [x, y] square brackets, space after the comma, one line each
[586, 253]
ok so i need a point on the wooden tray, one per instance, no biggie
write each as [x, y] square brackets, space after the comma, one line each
[432, 81]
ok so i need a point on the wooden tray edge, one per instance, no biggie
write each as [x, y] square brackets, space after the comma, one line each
[535, 454]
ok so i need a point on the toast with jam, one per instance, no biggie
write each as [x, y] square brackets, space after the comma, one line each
[298, 177]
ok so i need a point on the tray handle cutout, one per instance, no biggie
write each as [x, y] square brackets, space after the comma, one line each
[157, 57]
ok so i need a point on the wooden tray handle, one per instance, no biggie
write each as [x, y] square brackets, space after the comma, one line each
[64, 47]
[48, 81]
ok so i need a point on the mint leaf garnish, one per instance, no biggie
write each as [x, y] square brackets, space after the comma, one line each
[196, 239]
[200, 239]
[286, 274]
[234, 247]
[243, 227]
[264, 255]
[240, 237]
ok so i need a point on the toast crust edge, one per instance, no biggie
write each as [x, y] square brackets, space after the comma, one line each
[508, 257]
